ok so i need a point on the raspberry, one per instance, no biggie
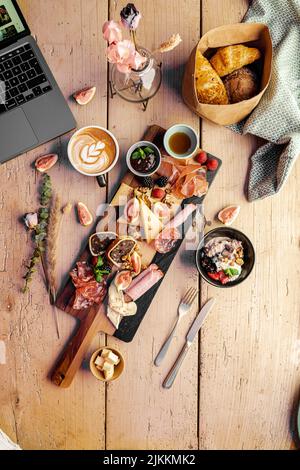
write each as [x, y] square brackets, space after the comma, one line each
[158, 193]
[212, 164]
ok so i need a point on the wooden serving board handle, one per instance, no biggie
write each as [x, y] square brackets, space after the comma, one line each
[74, 354]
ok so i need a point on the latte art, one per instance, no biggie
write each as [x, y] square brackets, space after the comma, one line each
[92, 151]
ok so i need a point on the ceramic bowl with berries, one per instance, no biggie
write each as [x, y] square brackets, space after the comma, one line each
[143, 158]
[225, 257]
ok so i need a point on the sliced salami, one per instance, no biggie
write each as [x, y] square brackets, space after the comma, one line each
[166, 240]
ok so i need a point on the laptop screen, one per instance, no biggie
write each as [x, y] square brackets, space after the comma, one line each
[11, 24]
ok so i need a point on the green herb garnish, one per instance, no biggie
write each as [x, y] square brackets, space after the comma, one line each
[139, 153]
[148, 150]
[99, 272]
[231, 272]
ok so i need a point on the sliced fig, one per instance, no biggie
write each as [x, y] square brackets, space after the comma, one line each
[46, 162]
[123, 280]
[136, 262]
[228, 215]
[84, 96]
[132, 211]
[84, 215]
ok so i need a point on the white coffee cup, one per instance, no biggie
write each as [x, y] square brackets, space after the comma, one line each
[92, 152]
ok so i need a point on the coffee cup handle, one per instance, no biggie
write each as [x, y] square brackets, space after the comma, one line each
[102, 181]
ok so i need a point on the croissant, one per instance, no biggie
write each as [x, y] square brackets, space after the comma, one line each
[210, 88]
[230, 58]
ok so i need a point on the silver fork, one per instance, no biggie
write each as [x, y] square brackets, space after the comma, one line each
[183, 309]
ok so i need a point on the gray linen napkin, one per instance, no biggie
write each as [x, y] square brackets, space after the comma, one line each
[277, 117]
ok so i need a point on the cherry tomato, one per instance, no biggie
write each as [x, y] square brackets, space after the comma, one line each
[212, 164]
[201, 157]
[214, 276]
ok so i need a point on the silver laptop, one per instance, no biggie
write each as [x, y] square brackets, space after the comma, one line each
[32, 107]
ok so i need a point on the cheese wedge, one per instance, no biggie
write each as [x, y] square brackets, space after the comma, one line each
[122, 196]
[151, 224]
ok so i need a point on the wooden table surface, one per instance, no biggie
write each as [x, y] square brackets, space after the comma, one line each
[240, 384]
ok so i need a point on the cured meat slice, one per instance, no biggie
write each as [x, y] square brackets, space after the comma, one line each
[142, 283]
[88, 290]
[81, 274]
[166, 240]
[169, 169]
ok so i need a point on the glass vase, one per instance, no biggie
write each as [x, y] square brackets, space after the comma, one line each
[138, 86]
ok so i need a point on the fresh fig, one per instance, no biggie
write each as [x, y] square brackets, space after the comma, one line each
[84, 215]
[136, 262]
[228, 215]
[123, 280]
[46, 162]
[84, 96]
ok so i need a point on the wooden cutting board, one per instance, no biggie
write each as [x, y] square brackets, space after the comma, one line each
[93, 320]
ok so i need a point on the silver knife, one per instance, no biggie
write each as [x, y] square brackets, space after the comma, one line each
[192, 333]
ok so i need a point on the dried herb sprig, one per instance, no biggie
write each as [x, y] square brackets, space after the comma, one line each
[52, 241]
[40, 231]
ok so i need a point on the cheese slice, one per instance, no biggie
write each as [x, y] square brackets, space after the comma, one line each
[122, 196]
[114, 317]
[151, 224]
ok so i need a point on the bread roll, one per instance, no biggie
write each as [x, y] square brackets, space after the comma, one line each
[230, 58]
[210, 88]
[241, 85]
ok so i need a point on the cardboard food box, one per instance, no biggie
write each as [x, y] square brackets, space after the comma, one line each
[249, 34]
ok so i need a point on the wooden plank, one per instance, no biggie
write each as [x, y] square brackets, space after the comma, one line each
[140, 414]
[33, 411]
[250, 342]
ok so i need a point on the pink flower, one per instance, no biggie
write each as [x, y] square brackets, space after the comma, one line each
[112, 32]
[124, 55]
[138, 60]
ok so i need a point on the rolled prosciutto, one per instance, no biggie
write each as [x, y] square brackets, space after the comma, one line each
[142, 283]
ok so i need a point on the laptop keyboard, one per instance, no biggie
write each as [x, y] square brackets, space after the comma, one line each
[21, 78]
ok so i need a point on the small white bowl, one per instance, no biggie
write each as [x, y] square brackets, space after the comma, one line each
[143, 143]
[183, 128]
